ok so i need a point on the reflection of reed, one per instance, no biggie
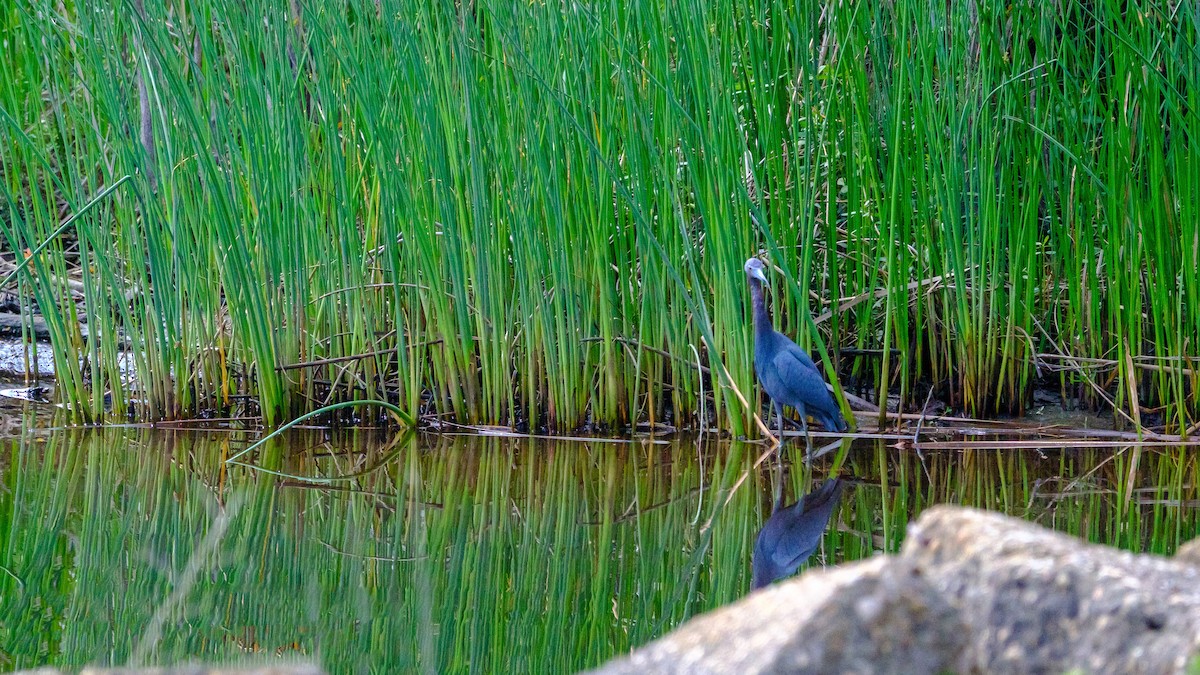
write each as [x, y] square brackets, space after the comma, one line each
[483, 552]
[196, 563]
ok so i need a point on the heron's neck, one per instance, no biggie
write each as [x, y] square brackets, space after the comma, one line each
[762, 319]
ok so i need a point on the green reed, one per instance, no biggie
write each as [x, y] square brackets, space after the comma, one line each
[511, 212]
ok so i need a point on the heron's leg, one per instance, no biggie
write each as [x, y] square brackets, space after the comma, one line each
[807, 438]
[779, 416]
[777, 479]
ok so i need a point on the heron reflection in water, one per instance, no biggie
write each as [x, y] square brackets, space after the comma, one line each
[792, 534]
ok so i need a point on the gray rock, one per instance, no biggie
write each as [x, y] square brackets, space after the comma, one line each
[970, 592]
[837, 620]
[1189, 553]
[1039, 601]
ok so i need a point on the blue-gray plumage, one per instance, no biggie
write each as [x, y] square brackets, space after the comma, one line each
[793, 533]
[784, 370]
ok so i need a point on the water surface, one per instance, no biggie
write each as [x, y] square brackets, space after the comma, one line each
[377, 553]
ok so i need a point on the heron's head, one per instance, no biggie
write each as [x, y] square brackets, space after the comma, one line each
[754, 269]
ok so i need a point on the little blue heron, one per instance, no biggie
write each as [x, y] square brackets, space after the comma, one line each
[785, 371]
[793, 533]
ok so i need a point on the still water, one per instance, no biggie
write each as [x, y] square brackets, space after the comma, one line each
[371, 553]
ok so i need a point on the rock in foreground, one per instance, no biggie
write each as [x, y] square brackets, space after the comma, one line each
[970, 591]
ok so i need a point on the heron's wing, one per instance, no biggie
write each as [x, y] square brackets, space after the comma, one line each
[801, 355]
[798, 376]
[792, 553]
[801, 526]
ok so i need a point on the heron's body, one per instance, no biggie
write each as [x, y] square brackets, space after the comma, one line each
[793, 533]
[785, 371]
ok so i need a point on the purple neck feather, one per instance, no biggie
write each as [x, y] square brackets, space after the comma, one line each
[762, 319]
